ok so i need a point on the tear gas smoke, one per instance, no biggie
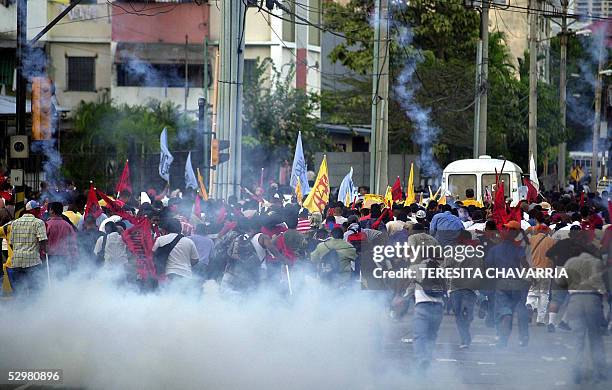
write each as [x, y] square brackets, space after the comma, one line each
[112, 338]
[425, 133]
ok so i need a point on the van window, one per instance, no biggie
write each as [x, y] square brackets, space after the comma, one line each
[457, 184]
[488, 181]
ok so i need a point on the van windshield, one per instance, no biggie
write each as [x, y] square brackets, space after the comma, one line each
[488, 182]
[457, 184]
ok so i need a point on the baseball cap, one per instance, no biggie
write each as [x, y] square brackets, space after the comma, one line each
[513, 225]
[31, 205]
[421, 214]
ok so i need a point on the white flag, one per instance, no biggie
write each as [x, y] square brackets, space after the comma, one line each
[299, 168]
[190, 177]
[347, 189]
[165, 157]
[533, 173]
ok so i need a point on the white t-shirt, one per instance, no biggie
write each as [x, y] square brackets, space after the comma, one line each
[115, 252]
[179, 259]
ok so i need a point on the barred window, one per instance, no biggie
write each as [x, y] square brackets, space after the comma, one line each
[81, 73]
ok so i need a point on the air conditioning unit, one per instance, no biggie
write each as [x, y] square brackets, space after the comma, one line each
[19, 146]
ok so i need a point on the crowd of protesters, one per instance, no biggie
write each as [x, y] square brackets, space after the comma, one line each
[266, 240]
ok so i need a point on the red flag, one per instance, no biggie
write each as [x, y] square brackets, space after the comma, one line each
[92, 207]
[197, 208]
[396, 190]
[139, 241]
[117, 209]
[609, 214]
[500, 216]
[532, 192]
[124, 180]
[582, 199]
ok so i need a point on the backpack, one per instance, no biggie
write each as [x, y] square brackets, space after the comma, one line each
[244, 265]
[434, 287]
[219, 256]
[161, 254]
[330, 264]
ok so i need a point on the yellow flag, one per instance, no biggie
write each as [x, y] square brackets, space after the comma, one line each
[5, 233]
[430, 193]
[435, 196]
[410, 196]
[203, 192]
[421, 198]
[442, 199]
[318, 197]
[298, 191]
[389, 197]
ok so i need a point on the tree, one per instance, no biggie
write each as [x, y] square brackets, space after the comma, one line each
[274, 111]
[103, 132]
[444, 45]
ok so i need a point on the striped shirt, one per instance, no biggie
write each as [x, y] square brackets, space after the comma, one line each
[26, 233]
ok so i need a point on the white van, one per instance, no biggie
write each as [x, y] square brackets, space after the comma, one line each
[479, 174]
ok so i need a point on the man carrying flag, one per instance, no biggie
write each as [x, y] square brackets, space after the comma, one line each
[165, 157]
[299, 168]
[319, 196]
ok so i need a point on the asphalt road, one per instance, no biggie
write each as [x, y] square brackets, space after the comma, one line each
[544, 364]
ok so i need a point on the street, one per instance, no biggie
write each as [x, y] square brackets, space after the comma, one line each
[543, 364]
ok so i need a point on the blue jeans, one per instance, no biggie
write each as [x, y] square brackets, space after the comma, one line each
[508, 303]
[585, 312]
[26, 280]
[463, 302]
[425, 325]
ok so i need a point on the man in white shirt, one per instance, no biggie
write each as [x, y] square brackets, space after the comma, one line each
[183, 256]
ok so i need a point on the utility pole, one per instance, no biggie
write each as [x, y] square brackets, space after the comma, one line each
[483, 89]
[477, 99]
[203, 118]
[379, 137]
[562, 147]
[20, 101]
[597, 122]
[186, 73]
[229, 117]
[534, 6]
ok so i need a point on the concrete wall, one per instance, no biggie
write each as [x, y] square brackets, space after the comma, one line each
[37, 16]
[339, 164]
[59, 52]
[170, 27]
[85, 23]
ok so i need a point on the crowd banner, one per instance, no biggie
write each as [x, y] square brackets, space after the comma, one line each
[410, 195]
[533, 173]
[347, 189]
[299, 168]
[298, 191]
[203, 192]
[92, 207]
[165, 157]
[190, 177]
[396, 190]
[318, 197]
[124, 180]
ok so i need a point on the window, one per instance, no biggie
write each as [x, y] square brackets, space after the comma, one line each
[144, 74]
[488, 181]
[81, 73]
[360, 144]
[289, 23]
[314, 16]
[250, 67]
[457, 184]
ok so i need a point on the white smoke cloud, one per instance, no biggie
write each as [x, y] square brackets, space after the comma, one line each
[107, 337]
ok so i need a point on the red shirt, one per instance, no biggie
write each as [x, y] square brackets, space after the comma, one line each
[61, 238]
